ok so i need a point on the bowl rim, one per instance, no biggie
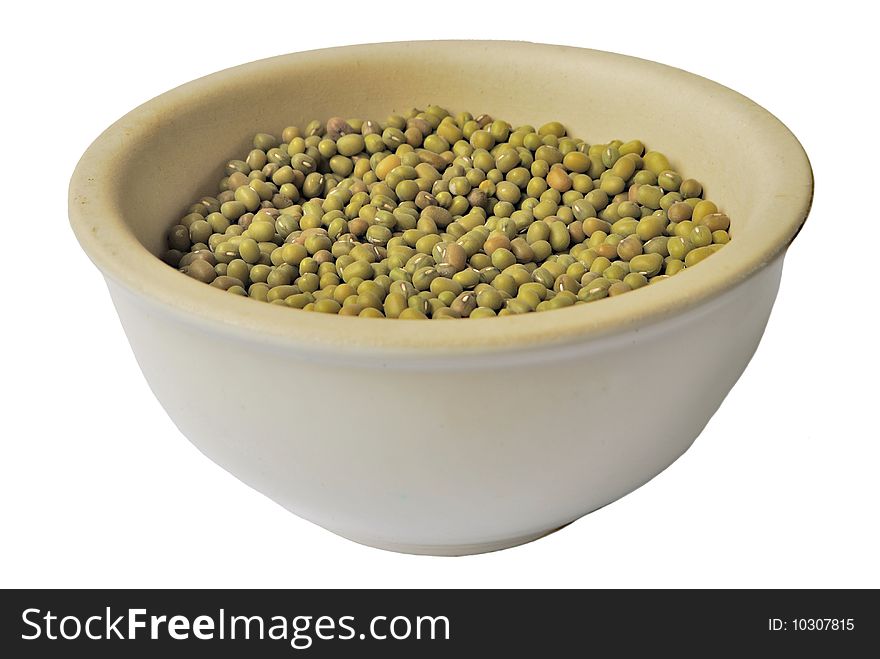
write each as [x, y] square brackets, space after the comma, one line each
[97, 221]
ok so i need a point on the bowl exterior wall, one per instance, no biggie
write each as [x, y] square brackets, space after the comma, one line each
[450, 455]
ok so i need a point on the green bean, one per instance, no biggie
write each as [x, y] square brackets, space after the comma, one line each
[437, 215]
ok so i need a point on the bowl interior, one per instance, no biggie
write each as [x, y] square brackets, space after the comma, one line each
[145, 170]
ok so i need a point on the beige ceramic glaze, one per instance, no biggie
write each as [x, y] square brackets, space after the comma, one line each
[443, 437]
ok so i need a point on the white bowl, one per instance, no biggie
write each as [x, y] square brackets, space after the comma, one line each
[458, 437]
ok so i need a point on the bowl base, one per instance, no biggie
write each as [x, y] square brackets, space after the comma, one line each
[453, 550]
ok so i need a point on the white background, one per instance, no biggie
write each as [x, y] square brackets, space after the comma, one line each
[98, 488]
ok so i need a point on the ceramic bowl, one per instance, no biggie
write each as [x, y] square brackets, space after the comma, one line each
[443, 437]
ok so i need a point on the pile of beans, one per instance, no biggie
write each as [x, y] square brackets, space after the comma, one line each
[434, 215]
